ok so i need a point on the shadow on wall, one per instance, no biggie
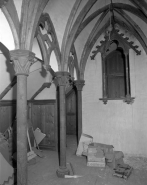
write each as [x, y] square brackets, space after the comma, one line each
[9, 66]
[43, 72]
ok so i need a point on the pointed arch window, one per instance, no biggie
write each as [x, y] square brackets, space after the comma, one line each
[116, 74]
[114, 50]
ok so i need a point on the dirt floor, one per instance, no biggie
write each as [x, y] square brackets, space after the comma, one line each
[42, 171]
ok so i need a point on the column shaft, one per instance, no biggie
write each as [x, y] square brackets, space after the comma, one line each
[79, 106]
[62, 80]
[79, 86]
[21, 130]
[22, 60]
[62, 127]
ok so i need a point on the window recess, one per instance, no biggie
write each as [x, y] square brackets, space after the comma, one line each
[115, 67]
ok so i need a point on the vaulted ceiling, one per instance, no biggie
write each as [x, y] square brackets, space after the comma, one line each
[88, 24]
[93, 18]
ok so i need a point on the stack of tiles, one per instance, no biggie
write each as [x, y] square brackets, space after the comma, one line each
[95, 157]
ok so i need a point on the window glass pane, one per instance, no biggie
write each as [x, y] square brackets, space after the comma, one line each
[116, 87]
[115, 63]
[115, 76]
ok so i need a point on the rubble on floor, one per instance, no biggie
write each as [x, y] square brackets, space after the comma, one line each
[44, 171]
[101, 155]
[136, 162]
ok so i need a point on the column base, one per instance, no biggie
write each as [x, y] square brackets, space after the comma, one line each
[61, 172]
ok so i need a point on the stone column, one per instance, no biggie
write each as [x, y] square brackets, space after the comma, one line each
[79, 86]
[62, 80]
[22, 60]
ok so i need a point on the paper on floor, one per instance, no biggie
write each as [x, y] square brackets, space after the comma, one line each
[6, 171]
[39, 136]
[85, 140]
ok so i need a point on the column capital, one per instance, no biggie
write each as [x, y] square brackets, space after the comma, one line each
[22, 60]
[79, 84]
[62, 78]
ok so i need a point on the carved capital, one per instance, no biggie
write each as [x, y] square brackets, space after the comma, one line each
[22, 60]
[79, 84]
[3, 3]
[62, 78]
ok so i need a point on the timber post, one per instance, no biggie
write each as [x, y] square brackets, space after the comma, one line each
[79, 86]
[22, 60]
[62, 80]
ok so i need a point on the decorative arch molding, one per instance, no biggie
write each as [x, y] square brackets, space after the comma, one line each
[86, 54]
[88, 49]
[69, 25]
[77, 28]
[30, 13]
[135, 29]
[126, 7]
[117, 6]
[47, 40]
[9, 10]
[123, 43]
[141, 4]
[134, 32]
[90, 41]
[131, 9]
[73, 64]
[73, 31]
[108, 47]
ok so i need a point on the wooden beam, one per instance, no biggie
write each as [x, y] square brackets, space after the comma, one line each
[7, 89]
[45, 85]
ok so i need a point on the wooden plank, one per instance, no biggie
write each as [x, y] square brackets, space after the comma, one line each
[8, 88]
[7, 114]
[7, 103]
[45, 85]
[42, 102]
[43, 117]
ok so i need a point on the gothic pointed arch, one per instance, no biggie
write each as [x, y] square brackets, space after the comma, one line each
[9, 10]
[47, 40]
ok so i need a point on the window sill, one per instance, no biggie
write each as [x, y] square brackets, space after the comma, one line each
[127, 99]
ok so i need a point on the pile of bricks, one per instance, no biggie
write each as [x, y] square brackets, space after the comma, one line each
[95, 157]
[96, 154]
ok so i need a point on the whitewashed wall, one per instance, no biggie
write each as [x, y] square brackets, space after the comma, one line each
[59, 16]
[117, 123]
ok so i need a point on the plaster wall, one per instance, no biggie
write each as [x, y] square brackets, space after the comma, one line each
[37, 75]
[59, 12]
[117, 123]
[6, 69]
